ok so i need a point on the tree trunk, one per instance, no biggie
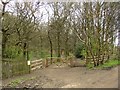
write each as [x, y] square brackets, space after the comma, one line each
[66, 48]
[3, 32]
[58, 35]
[58, 45]
[102, 61]
[41, 46]
[25, 51]
[3, 44]
[51, 49]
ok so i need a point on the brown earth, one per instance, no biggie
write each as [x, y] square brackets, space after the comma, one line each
[66, 77]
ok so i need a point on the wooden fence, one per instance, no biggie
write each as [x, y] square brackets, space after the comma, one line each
[70, 61]
[13, 67]
[36, 64]
[52, 60]
[43, 63]
[18, 67]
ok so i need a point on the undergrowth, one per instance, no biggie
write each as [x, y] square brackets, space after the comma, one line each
[110, 63]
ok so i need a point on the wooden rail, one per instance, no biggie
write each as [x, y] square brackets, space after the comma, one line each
[70, 61]
[19, 67]
[60, 59]
[36, 64]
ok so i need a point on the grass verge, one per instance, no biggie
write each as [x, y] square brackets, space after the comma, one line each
[109, 64]
[18, 81]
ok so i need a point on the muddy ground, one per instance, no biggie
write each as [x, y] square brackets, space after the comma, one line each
[66, 77]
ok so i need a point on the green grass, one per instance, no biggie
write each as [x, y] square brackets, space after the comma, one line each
[16, 82]
[110, 63]
[90, 66]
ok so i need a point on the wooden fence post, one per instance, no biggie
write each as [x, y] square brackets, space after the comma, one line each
[43, 63]
[46, 62]
[28, 63]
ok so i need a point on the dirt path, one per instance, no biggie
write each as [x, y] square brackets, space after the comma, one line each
[66, 77]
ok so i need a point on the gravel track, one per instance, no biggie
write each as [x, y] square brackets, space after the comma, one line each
[67, 77]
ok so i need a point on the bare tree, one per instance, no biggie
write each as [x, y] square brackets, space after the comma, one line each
[3, 30]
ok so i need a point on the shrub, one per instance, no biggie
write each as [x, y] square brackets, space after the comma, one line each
[12, 52]
[78, 50]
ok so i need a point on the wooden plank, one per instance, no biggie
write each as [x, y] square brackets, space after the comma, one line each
[37, 64]
[37, 67]
[36, 61]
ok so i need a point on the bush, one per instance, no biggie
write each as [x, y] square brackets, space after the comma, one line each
[78, 50]
[12, 52]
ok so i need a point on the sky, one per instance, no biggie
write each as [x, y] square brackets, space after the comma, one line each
[11, 4]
